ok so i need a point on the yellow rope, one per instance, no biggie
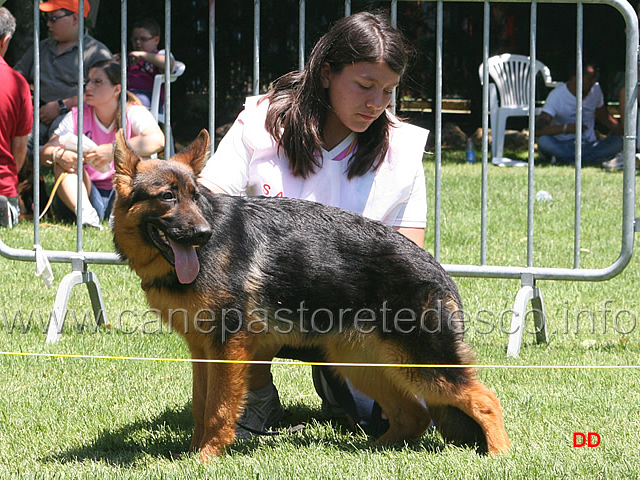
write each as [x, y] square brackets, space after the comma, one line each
[329, 364]
[62, 176]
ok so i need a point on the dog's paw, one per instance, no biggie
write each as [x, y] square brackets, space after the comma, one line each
[209, 453]
[500, 446]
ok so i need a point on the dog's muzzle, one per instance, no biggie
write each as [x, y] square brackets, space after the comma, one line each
[178, 248]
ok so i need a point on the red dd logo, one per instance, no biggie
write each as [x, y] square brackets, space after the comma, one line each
[591, 439]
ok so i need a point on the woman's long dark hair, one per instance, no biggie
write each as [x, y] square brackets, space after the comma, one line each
[299, 103]
[111, 69]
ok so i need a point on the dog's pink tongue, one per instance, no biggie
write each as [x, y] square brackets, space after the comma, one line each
[187, 264]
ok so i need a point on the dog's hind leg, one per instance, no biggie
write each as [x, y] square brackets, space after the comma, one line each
[408, 417]
[477, 404]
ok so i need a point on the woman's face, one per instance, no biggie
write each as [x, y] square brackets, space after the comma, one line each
[359, 94]
[99, 90]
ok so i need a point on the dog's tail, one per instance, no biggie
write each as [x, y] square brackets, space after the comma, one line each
[457, 427]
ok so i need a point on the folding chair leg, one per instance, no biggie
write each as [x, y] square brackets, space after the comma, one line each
[498, 139]
[494, 133]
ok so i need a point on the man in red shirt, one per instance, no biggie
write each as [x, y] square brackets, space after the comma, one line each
[16, 120]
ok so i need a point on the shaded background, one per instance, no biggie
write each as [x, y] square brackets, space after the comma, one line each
[604, 40]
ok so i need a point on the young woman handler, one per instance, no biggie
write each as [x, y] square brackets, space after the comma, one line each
[325, 134]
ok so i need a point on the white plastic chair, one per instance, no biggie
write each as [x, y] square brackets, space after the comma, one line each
[509, 75]
[158, 82]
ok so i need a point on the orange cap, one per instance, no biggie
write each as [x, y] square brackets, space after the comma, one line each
[71, 5]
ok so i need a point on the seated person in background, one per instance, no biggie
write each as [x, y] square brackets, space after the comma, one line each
[101, 121]
[618, 162]
[145, 61]
[556, 124]
[59, 63]
[16, 119]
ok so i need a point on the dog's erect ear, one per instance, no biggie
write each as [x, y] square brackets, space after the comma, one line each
[196, 154]
[125, 165]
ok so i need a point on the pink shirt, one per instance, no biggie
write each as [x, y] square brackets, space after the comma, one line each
[96, 132]
[139, 119]
[140, 76]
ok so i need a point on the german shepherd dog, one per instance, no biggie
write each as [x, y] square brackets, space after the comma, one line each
[232, 273]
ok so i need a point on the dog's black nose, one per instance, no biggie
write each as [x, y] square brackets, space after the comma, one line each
[200, 235]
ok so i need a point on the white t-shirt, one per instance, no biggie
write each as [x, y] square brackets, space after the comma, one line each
[247, 162]
[561, 105]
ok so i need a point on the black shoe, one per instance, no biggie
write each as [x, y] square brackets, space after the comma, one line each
[5, 212]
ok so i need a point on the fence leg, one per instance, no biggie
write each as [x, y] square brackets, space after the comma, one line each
[528, 293]
[78, 275]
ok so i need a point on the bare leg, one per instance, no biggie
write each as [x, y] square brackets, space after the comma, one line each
[68, 189]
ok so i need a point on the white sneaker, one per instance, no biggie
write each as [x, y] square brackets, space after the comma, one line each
[90, 218]
[615, 164]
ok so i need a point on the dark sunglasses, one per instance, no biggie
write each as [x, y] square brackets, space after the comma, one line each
[55, 19]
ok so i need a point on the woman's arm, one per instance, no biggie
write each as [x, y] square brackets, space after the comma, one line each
[416, 235]
[208, 184]
[54, 154]
[148, 142]
[544, 127]
[147, 138]
[604, 117]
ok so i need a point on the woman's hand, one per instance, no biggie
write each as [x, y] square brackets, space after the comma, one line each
[100, 157]
[65, 160]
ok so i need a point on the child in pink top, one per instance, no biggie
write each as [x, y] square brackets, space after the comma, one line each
[145, 60]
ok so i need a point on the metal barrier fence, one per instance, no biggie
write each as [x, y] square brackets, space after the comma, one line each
[528, 274]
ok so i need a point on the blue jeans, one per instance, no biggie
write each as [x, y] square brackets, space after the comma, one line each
[364, 411]
[592, 153]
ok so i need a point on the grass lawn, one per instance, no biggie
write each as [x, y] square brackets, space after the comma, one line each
[114, 419]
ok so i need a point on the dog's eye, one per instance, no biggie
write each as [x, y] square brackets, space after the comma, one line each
[168, 195]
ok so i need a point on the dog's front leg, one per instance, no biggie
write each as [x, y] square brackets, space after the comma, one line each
[226, 388]
[199, 389]
[199, 401]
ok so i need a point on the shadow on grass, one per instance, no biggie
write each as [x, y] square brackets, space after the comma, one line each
[342, 437]
[168, 436]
